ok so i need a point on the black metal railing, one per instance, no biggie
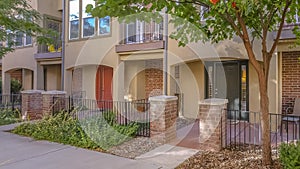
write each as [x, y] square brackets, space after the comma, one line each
[48, 48]
[125, 112]
[10, 101]
[247, 134]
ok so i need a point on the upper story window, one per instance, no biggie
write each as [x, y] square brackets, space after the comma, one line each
[18, 39]
[82, 24]
[140, 32]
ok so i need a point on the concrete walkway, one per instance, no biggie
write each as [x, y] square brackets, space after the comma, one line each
[18, 152]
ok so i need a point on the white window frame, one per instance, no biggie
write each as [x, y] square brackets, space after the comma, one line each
[80, 22]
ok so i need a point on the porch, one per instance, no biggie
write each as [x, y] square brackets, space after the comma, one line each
[242, 134]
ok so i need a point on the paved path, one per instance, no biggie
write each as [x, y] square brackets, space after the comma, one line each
[18, 152]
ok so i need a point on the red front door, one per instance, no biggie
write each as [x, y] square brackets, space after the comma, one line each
[104, 78]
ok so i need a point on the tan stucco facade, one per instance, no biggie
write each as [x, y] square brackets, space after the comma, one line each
[23, 57]
[129, 78]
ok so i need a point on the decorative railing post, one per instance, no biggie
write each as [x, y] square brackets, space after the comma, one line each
[212, 124]
[163, 114]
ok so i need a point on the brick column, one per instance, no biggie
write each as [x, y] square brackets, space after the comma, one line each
[212, 124]
[48, 101]
[31, 104]
[163, 110]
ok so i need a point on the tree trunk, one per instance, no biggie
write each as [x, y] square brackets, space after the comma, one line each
[265, 119]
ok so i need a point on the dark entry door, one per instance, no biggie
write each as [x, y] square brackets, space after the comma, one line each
[228, 80]
[227, 85]
[104, 79]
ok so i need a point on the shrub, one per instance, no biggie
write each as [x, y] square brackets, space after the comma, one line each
[60, 128]
[96, 132]
[106, 132]
[289, 155]
[8, 116]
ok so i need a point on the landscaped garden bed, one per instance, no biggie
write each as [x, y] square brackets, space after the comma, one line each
[9, 116]
[227, 159]
[97, 133]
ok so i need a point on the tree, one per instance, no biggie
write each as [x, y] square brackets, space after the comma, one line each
[251, 20]
[18, 16]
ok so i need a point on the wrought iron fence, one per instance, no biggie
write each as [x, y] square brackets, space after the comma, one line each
[247, 134]
[125, 112]
[10, 101]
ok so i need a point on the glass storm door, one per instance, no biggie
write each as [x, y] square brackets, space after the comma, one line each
[229, 80]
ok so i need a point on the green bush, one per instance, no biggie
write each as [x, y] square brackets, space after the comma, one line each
[60, 128]
[15, 86]
[93, 133]
[289, 155]
[8, 116]
[106, 132]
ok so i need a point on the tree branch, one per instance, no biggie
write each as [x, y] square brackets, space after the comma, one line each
[285, 10]
[247, 43]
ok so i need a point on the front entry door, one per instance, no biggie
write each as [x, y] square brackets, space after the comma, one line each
[104, 79]
[228, 80]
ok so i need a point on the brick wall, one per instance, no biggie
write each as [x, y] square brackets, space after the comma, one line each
[163, 114]
[17, 74]
[212, 126]
[290, 78]
[31, 104]
[37, 103]
[153, 78]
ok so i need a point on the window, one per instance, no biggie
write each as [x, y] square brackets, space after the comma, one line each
[74, 19]
[104, 25]
[82, 24]
[88, 22]
[140, 32]
[18, 39]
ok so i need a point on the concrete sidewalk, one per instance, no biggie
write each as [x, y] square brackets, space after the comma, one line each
[18, 152]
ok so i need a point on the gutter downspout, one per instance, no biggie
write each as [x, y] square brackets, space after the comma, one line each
[63, 46]
[165, 59]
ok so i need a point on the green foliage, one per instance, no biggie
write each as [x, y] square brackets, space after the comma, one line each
[15, 86]
[19, 16]
[222, 21]
[289, 155]
[8, 116]
[60, 128]
[106, 132]
[92, 133]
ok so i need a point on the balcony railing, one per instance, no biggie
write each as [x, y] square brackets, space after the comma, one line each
[139, 35]
[50, 48]
[142, 32]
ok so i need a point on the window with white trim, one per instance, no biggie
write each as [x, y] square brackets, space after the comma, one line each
[82, 24]
[18, 39]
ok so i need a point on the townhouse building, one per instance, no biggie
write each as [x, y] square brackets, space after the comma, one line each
[111, 60]
[36, 66]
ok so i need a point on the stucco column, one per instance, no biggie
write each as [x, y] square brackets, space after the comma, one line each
[163, 114]
[32, 104]
[6, 83]
[40, 77]
[212, 124]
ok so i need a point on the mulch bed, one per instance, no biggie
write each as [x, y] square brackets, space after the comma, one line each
[227, 160]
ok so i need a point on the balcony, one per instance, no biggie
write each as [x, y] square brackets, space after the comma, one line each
[139, 36]
[48, 51]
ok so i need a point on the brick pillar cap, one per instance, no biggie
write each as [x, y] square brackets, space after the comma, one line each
[213, 101]
[53, 92]
[31, 91]
[163, 98]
